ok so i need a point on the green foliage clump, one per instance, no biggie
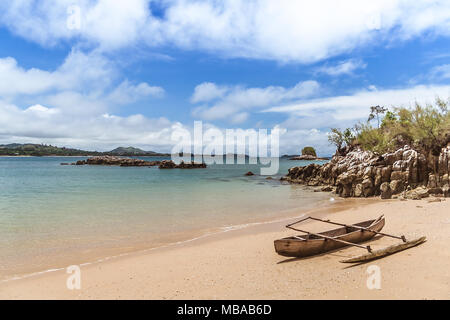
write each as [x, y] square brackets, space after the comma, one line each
[373, 139]
[424, 127]
[310, 151]
[342, 138]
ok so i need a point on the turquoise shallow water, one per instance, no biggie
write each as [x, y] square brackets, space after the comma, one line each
[53, 215]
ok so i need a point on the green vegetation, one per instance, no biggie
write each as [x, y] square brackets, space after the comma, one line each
[424, 127]
[40, 150]
[310, 151]
[130, 151]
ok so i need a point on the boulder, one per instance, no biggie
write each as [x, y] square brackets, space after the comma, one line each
[417, 194]
[396, 186]
[345, 178]
[432, 183]
[358, 192]
[385, 189]
[386, 174]
[446, 191]
[367, 187]
[436, 190]
[397, 175]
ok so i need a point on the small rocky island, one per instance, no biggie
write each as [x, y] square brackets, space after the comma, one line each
[116, 161]
[169, 164]
[308, 153]
[131, 162]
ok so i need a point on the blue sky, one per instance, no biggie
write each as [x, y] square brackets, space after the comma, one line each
[98, 74]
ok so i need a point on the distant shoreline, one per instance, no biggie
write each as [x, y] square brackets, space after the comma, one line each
[80, 156]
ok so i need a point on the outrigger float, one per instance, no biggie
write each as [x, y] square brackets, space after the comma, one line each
[347, 235]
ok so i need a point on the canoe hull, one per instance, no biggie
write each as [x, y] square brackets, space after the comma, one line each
[292, 247]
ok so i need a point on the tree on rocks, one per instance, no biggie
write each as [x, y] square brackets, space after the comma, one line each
[309, 151]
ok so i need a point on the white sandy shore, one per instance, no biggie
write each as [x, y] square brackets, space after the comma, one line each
[242, 264]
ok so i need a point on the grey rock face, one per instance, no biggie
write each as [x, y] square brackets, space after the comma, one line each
[364, 174]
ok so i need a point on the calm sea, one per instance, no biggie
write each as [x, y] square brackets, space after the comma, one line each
[52, 216]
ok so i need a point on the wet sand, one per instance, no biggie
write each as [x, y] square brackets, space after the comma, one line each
[242, 264]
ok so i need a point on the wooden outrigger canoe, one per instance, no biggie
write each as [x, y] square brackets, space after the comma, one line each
[348, 235]
[312, 244]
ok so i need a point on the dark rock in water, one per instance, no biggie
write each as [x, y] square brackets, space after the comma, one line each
[65, 164]
[269, 178]
[249, 173]
[117, 161]
[361, 173]
[169, 164]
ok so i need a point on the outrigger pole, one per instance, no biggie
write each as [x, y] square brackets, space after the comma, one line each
[403, 238]
[330, 238]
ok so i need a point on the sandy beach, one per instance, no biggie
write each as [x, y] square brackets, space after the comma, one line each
[242, 264]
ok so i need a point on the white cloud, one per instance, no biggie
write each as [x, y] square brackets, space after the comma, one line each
[285, 30]
[309, 120]
[42, 124]
[344, 67]
[296, 138]
[78, 71]
[128, 93]
[110, 24]
[441, 72]
[234, 102]
[356, 106]
[207, 91]
[80, 78]
[68, 104]
[41, 111]
[301, 31]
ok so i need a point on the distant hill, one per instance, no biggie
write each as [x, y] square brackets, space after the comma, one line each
[30, 149]
[130, 151]
[40, 150]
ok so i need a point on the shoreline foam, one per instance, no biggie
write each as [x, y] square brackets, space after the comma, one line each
[243, 265]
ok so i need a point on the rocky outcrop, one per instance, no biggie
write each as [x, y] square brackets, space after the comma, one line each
[169, 164]
[405, 172]
[117, 161]
[307, 157]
